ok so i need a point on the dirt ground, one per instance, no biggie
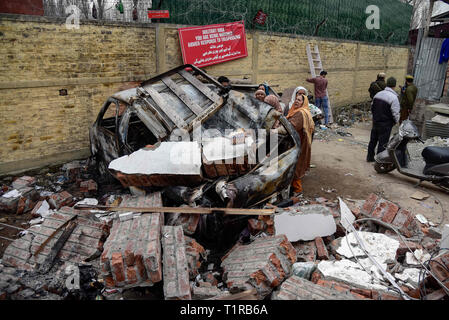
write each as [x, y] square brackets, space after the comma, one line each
[341, 165]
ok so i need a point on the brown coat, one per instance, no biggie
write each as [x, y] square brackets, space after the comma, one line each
[297, 120]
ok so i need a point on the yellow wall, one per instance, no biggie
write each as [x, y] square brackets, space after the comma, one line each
[41, 56]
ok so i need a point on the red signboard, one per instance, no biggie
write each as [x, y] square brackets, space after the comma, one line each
[212, 44]
[158, 14]
[30, 7]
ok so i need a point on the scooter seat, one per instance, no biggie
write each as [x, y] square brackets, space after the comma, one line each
[436, 155]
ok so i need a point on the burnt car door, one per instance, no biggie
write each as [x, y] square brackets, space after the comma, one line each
[104, 135]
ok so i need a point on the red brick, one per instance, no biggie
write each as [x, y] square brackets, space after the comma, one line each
[175, 269]
[258, 264]
[439, 266]
[23, 182]
[117, 267]
[131, 275]
[322, 253]
[363, 292]
[369, 204]
[61, 199]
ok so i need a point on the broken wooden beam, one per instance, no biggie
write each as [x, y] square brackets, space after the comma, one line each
[50, 260]
[190, 210]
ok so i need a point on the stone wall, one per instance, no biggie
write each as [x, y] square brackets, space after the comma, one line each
[40, 56]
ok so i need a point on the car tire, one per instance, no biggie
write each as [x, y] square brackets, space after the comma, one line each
[383, 167]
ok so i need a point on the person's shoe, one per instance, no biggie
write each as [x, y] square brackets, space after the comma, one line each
[370, 160]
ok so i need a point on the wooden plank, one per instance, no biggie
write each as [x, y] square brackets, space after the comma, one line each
[168, 110]
[177, 90]
[199, 85]
[197, 210]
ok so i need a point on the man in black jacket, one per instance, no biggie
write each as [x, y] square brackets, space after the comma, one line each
[378, 85]
[385, 108]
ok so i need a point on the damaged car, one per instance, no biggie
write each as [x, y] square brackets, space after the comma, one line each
[184, 132]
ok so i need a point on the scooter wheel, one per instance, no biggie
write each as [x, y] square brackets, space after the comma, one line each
[383, 168]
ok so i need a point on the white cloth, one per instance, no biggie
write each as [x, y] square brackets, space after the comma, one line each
[292, 100]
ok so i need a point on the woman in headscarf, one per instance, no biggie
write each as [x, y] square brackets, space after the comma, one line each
[260, 95]
[300, 117]
[273, 101]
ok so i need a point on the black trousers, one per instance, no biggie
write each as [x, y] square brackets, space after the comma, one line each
[379, 137]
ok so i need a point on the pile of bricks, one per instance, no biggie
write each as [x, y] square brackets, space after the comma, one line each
[261, 224]
[262, 265]
[88, 187]
[189, 222]
[176, 272]
[59, 200]
[195, 254]
[296, 288]
[86, 241]
[132, 252]
[389, 212]
[20, 200]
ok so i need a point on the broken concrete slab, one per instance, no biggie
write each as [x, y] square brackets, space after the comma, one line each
[221, 157]
[132, 252]
[350, 273]
[346, 216]
[381, 247]
[262, 265]
[410, 277]
[417, 258]
[296, 288]
[176, 271]
[305, 222]
[171, 163]
[86, 241]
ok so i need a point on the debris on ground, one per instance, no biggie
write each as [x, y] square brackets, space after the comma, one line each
[307, 250]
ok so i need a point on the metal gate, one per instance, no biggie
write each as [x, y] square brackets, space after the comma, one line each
[429, 74]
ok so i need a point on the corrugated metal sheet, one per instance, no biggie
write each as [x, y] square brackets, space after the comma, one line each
[429, 74]
[434, 129]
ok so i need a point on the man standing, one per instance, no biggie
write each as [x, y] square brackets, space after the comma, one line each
[385, 108]
[408, 97]
[378, 85]
[321, 99]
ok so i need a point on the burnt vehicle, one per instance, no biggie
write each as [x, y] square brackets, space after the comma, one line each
[137, 129]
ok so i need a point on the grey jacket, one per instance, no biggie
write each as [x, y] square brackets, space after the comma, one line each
[386, 107]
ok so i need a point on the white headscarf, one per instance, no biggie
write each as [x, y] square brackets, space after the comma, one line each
[294, 95]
